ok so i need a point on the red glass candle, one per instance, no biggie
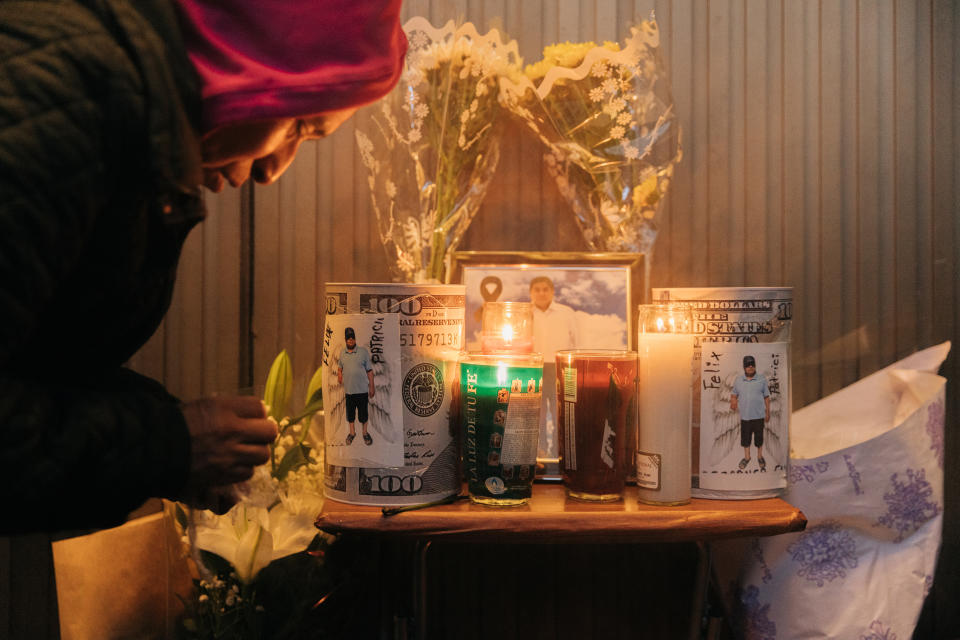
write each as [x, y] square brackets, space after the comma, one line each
[596, 404]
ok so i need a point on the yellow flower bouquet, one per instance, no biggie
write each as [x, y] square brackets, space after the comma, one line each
[606, 117]
[431, 145]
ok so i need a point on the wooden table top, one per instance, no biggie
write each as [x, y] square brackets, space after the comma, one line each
[552, 517]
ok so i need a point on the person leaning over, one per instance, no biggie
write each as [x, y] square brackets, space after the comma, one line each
[113, 113]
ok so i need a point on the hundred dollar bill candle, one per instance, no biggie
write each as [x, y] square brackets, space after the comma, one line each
[731, 323]
[430, 338]
[665, 356]
[507, 327]
[500, 424]
[596, 401]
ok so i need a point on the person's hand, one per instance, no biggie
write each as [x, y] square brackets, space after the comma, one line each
[766, 417]
[229, 436]
[373, 390]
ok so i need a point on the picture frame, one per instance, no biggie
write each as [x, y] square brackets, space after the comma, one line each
[597, 293]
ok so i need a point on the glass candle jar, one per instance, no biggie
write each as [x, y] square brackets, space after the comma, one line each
[596, 402]
[507, 327]
[500, 423]
[665, 355]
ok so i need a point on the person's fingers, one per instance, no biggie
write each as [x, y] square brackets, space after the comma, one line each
[244, 406]
[239, 473]
[251, 454]
[256, 431]
[232, 474]
[230, 436]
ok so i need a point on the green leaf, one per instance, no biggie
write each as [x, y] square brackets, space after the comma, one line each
[312, 408]
[315, 390]
[276, 395]
[294, 458]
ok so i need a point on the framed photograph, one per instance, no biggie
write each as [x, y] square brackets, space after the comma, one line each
[581, 301]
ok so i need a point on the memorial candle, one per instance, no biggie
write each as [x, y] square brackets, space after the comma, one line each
[596, 405]
[500, 423]
[665, 352]
[507, 327]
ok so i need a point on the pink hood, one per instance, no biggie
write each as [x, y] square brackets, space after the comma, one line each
[260, 59]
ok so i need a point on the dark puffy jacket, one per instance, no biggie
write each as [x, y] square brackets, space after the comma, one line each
[98, 172]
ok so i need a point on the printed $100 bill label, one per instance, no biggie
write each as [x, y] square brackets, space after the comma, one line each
[430, 337]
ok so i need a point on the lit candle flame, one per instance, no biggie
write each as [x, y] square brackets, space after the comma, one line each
[507, 333]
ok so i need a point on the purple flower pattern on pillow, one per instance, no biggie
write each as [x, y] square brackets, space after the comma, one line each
[756, 623]
[853, 473]
[825, 552]
[808, 472]
[935, 419]
[757, 551]
[878, 631]
[908, 507]
[800, 472]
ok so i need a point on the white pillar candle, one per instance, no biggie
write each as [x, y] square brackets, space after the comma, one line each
[663, 456]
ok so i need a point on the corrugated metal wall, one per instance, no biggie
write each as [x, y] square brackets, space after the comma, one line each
[820, 152]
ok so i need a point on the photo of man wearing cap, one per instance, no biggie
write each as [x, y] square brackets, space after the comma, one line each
[355, 373]
[751, 397]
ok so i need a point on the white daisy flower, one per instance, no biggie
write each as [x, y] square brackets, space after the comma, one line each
[418, 39]
[615, 106]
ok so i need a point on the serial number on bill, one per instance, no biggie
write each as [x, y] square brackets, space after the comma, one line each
[430, 339]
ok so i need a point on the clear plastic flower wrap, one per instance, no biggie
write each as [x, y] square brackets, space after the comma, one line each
[432, 144]
[606, 115]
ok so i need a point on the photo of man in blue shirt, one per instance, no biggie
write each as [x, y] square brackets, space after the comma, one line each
[751, 397]
[355, 373]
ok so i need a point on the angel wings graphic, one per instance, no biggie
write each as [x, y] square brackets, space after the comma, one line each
[723, 434]
[380, 421]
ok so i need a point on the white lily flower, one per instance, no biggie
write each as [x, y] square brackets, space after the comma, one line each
[240, 537]
[290, 532]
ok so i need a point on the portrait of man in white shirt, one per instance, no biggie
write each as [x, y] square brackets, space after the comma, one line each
[574, 307]
[554, 323]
